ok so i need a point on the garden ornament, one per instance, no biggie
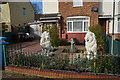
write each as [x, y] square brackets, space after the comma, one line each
[45, 42]
[73, 48]
[90, 44]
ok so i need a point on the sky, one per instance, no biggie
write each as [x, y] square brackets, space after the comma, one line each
[39, 5]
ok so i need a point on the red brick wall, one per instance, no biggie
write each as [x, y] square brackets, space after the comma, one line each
[78, 36]
[58, 75]
[67, 10]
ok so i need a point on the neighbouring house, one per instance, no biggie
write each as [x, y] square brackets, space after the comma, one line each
[74, 17]
[106, 17]
[49, 17]
[16, 14]
[77, 16]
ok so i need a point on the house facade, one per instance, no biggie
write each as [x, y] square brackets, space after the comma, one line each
[16, 13]
[74, 17]
[50, 7]
[77, 16]
[50, 15]
[106, 10]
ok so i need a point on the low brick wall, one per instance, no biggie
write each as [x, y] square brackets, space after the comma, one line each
[58, 74]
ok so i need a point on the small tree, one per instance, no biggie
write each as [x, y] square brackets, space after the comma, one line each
[100, 37]
[4, 28]
[54, 34]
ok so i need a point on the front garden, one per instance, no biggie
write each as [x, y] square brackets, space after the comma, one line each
[61, 59]
[107, 64]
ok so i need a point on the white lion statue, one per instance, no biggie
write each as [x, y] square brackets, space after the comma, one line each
[90, 44]
[45, 42]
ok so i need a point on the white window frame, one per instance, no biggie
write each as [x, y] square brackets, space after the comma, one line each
[77, 1]
[118, 25]
[79, 21]
[0, 9]
[24, 11]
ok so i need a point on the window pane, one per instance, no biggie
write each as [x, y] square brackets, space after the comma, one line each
[85, 26]
[76, 19]
[77, 3]
[119, 26]
[24, 11]
[69, 26]
[77, 26]
[0, 9]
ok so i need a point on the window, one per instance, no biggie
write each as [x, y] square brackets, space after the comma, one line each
[24, 12]
[77, 3]
[119, 25]
[0, 9]
[77, 24]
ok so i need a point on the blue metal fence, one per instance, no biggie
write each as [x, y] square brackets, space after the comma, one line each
[116, 45]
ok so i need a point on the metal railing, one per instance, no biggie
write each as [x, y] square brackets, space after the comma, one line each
[108, 64]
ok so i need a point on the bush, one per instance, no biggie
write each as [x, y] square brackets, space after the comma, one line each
[100, 37]
[63, 42]
[4, 28]
[54, 34]
[107, 64]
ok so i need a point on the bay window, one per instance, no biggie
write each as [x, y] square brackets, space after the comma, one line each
[77, 24]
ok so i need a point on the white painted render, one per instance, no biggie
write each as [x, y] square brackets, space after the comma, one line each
[105, 9]
[119, 7]
[50, 7]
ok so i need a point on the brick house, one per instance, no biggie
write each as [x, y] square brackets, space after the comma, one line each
[77, 17]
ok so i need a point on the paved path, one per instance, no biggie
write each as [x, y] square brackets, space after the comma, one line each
[27, 46]
[35, 46]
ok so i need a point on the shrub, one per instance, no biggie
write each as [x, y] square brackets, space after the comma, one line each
[54, 34]
[100, 37]
[4, 28]
[63, 42]
[107, 64]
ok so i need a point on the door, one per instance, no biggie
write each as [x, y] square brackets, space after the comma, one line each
[35, 30]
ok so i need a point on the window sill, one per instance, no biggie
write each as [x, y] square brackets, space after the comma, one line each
[78, 32]
[77, 6]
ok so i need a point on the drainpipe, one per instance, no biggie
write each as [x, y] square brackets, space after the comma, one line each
[112, 44]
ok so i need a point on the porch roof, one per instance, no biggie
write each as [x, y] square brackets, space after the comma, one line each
[105, 16]
[50, 17]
